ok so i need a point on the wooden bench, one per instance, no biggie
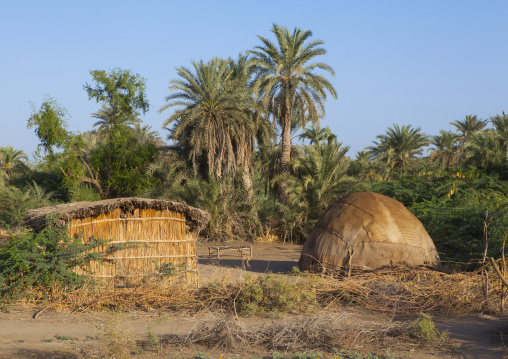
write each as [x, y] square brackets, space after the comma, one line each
[245, 250]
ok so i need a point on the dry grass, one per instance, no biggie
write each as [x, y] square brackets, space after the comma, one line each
[317, 332]
[402, 292]
[406, 291]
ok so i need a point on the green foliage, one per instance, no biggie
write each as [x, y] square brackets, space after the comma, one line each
[43, 259]
[275, 295]
[214, 123]
[232, 216]
[318, 178]
[169, 269]
[120, 89]
[452, 206]
[11, 162]
[424, 328]
[399, 147]
[121, 161]
[14, 202]
[50, 123]
[288, 85]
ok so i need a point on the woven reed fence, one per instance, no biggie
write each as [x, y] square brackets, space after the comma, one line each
[150, 233]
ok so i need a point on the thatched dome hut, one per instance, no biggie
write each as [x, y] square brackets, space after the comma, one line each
[366, 231]
[159, 232]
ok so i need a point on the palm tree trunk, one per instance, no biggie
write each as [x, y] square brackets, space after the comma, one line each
[285, 158]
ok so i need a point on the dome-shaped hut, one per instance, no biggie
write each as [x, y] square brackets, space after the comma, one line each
[365, 231]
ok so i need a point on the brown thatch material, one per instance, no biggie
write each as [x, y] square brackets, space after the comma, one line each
[156, 233]
[38, 218]
[366, 231]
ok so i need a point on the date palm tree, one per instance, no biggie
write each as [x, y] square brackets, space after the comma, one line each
[468, 127]
[213, 122]
[399, 146]
[500, 123]
[286, 80]
[316, 135]
[12, 161]
[109, 117]
[445, 148]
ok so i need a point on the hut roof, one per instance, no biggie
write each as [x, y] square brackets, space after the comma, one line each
[367, 230]
[38, 218]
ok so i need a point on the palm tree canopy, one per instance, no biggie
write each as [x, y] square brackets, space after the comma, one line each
[285, 77]
[287, 83]
[399, 146]
[469, 126]
[500, 123]
[212, 111]
[317, 136]
[110, 117]
[12, 160]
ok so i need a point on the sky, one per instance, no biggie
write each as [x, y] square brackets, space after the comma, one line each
[421, 63]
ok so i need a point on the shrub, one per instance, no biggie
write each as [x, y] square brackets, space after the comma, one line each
[275, 295]
[424, 328]
[43, 259]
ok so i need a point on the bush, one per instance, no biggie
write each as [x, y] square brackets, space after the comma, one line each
[275, 295]
[424, 328]
[43, 259]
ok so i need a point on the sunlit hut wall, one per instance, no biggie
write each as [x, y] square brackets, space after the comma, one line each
[153, 233]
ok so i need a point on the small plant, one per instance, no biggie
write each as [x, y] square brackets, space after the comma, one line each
[116, 338]
[424, 328]
[275, 295]
[153, 339]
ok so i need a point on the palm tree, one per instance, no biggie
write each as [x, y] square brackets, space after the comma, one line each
[399, 146]
[286, 81]
[486, 150]
[212, 113]
[500, 123]
[146, 135]
[317, 136]
[12, 161]
[468, 127]
[246, 131]
[110, 117]
[445, 148]
[319, 178]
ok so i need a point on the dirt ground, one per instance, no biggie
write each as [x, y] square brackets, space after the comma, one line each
[62, 335]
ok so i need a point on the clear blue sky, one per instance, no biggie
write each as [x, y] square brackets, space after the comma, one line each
[423, 63]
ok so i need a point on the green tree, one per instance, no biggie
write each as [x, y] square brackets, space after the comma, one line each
[14, 202]
[466, 129]
[213, 117]
[319, 178]
[121, 90]
[50, 123]
[120, 163]
[12, 161]
[109, 117]
[500, 123]
[399, 147]
[286, 82]
[487, 151]
[316, 135]
[147, 135]
[445, 148]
